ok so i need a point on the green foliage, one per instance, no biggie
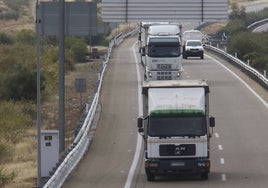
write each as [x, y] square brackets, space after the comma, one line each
[26, 37]
[100, 39]
[248, 45]
[260, 63]
[6, 39]
[234, 26]
[17, 54]
[19, 84]
[238, 44]
[78, 48]
[17, 64]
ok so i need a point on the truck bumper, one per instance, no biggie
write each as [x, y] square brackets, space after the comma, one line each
[163, 75]
[194, 53]
[185, 166]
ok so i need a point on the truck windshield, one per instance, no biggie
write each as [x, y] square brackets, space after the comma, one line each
[164, 50]
[174, 126]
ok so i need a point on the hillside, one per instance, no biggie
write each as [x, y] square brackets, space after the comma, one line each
[26, 13]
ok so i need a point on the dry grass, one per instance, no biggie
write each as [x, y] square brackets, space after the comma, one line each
[23, 162]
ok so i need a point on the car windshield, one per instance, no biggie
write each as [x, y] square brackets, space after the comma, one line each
[194, 43]
[174, 126]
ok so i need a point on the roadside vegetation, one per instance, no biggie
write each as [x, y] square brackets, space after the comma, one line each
[18, 57]
[249, 46]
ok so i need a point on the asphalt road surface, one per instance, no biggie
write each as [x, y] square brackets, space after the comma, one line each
[239, 149]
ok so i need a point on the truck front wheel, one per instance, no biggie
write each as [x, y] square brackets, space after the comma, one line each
[150, 177]
[202, 56]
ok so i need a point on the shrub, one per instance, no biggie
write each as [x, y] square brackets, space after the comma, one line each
[78, 48]
[19, 84]
[238, 44]
[6, 39]
[260, 63]
[26, 37]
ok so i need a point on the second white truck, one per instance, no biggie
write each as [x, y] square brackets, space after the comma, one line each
[160, 49]
[192, 50]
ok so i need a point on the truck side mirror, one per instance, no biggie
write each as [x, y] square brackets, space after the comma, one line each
[212, 121]
[140, 125]
[143, 51]
[139, 38]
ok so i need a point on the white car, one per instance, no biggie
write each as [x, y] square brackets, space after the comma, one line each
[194, 48]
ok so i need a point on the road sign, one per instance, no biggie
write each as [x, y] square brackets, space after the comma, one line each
[80, 18]
[164, 10]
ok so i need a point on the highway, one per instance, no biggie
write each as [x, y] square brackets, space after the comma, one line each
[239, 152]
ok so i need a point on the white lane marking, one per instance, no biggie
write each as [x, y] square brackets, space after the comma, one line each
[222, 161]
[243, 82]
[220, 147]
[139, 138]
[217, 135]
[223, 177]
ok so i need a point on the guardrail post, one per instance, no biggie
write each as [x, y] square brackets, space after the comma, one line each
[264, 73]
[235, 54]
[248, 62]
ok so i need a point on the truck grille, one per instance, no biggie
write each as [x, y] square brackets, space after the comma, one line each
[164, 75]
[177, 150]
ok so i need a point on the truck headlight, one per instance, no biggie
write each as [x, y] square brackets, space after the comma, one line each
[203, 164]
[150, 75]
[151, 164]
[178, 74]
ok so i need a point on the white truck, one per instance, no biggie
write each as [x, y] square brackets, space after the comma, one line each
[160, 49]
[191, 35]
[176, 127]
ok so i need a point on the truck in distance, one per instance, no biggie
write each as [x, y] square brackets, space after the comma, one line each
[176, 127]
[191, 35]
[160, 49]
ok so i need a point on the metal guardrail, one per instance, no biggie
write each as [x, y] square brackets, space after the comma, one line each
[257, 24]
[254, 74]
[82, 140]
